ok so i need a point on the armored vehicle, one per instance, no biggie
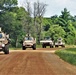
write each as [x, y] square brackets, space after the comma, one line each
[59, 43]
[29, 42]
[47, 42]
[4, 42]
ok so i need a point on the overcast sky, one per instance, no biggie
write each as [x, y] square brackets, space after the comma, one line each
[55, 6]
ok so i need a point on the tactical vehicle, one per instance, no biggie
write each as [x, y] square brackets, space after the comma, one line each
[47, 42]
[29, 42]
[4, 42]
[59, 43]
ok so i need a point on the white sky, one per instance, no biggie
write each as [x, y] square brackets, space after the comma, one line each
[55, 6]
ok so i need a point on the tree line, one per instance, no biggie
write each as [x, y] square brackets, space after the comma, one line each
[18, 21]
[63, 26]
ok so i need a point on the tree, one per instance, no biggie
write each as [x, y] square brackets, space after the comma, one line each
[27, 22]
[54, 19]
[55, 31]
[39, 10]
[12, 23]
[70, 34]
[66, 15]
[46, 23]
[7, 4]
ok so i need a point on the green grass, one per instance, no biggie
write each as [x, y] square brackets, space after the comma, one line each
[68, 55]
[12, 48]
[39, 46]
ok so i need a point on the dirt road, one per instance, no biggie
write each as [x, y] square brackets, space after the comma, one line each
[34, 62]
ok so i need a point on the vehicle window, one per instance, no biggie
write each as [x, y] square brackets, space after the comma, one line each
[28, 38]
[0, 35]
[47, 38]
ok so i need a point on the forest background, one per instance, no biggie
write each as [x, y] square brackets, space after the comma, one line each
[18, 21]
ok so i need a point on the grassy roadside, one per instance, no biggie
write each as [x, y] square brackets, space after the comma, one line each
[68, 55]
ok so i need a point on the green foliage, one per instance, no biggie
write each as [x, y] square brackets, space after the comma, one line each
[66, 15]
[16, 22]
[12, 24]
[55, 31]
[68, 55]
[7, 4]
[63, 26]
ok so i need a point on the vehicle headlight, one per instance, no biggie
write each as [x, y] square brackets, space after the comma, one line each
[3, 45]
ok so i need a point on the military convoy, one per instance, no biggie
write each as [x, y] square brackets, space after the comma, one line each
[47, 41]
[29, 42]
[4, 42]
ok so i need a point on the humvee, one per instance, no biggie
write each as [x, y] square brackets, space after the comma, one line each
[4, 42]
[59, 43]
[47, 41]
[29, 42]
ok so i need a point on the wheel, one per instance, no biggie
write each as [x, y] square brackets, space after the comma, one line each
[43, 46]
[51, 46]
[34, 47]
[6, 49]
[56, 45]
[23, 48]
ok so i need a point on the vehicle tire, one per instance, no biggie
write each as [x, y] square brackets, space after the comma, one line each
[56, 45]
[23, 48]
[51, 46]
[43, 46]
[6, 49]
[34, 47]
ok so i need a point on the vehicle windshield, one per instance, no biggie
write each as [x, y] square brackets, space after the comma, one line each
[47, 38]
[28, 38]
[0, 35]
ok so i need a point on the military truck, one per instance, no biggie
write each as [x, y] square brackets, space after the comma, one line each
[59, 43]
[29, 42]
[4, 42]
[47, 41]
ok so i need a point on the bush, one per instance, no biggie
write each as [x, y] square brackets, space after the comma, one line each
[68, 55]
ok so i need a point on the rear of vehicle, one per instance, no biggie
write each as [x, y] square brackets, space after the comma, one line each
[29, 42]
